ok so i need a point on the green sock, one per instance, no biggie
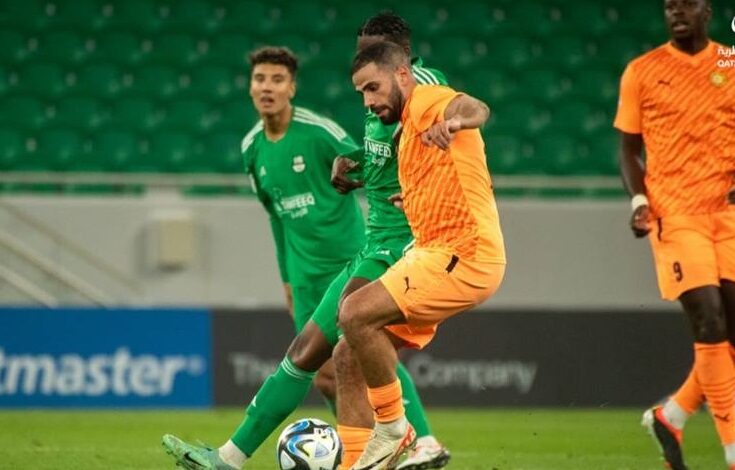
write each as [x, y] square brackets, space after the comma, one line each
[415, 412]
[277, 398]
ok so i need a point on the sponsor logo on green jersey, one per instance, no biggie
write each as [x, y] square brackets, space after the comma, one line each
[295, 206]
[379, 151]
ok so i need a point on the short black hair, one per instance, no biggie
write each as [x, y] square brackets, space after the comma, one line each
[387, 24]
[382, 54]
[277, 55]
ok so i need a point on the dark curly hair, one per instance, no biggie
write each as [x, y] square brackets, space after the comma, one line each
[388, 24]
[275, 55]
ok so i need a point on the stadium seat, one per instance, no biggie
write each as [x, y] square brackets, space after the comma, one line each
[530, 18]
[563, 155]
[172, 151]
[325, 85]
[492, 85]
[238, 116]
[58, 147]
[306, 49]
[114, 150]
[569, 52]
[223, 151]
[175, 49]
[81, 112]
[12, 148]
[587, 18]
[25, 14]
[510, 52]
[503, 154]
[77, 15]
[4, 80]
[599, 86]
[603, 147]
[458, 53]
[230, 49]
[291, 18]
[155, 80]
[101, 80]
[192, 16]
[578, 118]
[466, 19]
[120, 47]
[251, 16]
[14, 47]
[133, 15]
[23, 112]
[188, 115]
[43, 79]
[212, 82]
[136, 114]
[518, 118]
[62, 47]
[543, 85]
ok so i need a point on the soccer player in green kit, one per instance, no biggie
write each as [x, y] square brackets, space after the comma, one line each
[388, 234]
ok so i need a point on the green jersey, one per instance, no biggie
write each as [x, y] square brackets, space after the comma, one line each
[316, 229]
[379, 166]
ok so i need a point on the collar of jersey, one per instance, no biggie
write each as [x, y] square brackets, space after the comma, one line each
[695, 59]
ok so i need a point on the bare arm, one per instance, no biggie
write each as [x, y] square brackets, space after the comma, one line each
[633, 173]
[463, 112]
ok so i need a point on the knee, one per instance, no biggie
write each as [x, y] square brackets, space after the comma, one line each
[350, 318]
[709, 323]
[306, 353]
[341, 355]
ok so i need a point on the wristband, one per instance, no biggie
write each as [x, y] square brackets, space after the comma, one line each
[637, 201]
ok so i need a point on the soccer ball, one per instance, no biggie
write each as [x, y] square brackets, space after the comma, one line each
[309, 444]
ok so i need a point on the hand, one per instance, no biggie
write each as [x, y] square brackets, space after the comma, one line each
[639, 221]
[397, 200]
[340, 167]
[441, 134]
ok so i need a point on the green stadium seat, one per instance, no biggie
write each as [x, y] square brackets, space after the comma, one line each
[172, 151]
[114, 150]
[349, 18]
[335, 55]
[135, 113]
[78, 15]
[4, 80]
[504, 154]
[43, 79]
[25, 14]
[458, 52]
[101, 80]
[569, 52]
[81, 112]
[305, 49]
[59, 147]
[596, 86]
[188, 115]
[23, 112]
[643, 18]
[223, 151]
[588, 18]
[627, 47]
[491, 85]
[325, 85]
[14, 47]
[416, 12]
[133, 15]
[563, 155]
[308, 17]
[604, 151]
[528, 17]
[510, 52]
[518, 118]
[12, 148]
[63, 47]
[193, 16]
[238, 116]
[155, 80]
[212, 82]
[251, 16]
[176, 49]
[578, 118]
[119, 47]
[543, 85]
[230, 49]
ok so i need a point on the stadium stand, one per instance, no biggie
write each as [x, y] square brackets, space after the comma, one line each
[161, 85]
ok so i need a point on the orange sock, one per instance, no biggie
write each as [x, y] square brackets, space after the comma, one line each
[387, 401]
[689, 396]
[716, 375]
[354, 441]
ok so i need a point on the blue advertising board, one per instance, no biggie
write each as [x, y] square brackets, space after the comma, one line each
[105, 357]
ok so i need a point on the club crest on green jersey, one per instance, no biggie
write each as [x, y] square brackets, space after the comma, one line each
[298, 164]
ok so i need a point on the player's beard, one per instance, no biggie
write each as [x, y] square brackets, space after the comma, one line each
[394, 106]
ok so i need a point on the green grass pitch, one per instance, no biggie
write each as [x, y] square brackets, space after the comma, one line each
[481, 439]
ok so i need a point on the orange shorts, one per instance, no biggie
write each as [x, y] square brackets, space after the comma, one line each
[692, 251]
[431, 285]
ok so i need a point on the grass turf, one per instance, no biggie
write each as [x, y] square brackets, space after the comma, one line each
[521, 439]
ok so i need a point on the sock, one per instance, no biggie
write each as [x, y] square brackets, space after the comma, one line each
[354, 441]
[331, 404]
[730, 454]
[231, 455]
[427, 441]
[674, 414]
[277, 398]
[716, 375]
[415, 412]
[387, 402]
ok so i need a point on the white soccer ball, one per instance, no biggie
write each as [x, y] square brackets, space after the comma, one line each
[309, 444]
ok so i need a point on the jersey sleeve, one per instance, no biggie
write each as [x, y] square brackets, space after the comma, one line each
[628, 117]
[428, 103]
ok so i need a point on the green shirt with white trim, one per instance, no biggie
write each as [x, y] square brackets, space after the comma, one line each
[316, 230]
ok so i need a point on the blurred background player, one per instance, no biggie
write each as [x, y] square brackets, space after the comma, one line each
[677, 102]
[458, 259]
[289, 155]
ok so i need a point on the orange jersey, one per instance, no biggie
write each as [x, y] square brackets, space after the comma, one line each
[684, 106]
[447, 195]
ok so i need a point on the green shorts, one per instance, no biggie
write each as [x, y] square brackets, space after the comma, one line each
[370, 263]
[306, 299]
